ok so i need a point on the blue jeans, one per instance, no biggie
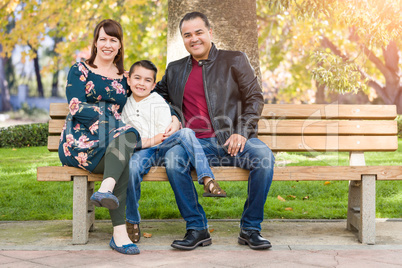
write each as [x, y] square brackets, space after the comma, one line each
[142, 160]
[256, 157]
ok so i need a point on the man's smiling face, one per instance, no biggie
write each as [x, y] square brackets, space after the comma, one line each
[197, 38]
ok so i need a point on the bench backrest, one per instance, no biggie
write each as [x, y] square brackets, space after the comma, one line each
[308, 128]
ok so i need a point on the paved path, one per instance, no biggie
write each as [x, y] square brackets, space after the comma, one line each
[295, 244]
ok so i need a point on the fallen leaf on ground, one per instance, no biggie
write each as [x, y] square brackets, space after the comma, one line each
[306, 197]
[292, 196]
[280, 198]
[147, 235]
[289, 209]
[211, 230]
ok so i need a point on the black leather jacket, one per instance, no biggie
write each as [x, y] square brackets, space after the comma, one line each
[234, 97]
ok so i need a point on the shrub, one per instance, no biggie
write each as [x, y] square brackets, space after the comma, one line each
[24, 135]
[399, 119]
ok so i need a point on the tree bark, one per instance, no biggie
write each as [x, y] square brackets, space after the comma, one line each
[37, 72]
[320, 94]
[55, 84]
[38, 75]
[54, 54]
[234, 26]
[5, 93]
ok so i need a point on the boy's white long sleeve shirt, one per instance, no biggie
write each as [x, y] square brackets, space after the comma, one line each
[150, 116]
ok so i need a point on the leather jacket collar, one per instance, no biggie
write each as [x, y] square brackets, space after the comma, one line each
[213, 53]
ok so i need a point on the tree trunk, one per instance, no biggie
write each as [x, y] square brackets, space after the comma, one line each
[320, 94]
[37, 72]
[55, 83]
[234, 27]
[393, 81]
[54, 54]
[5, 93]
[396, 91]
[398, 101]
[38, 75]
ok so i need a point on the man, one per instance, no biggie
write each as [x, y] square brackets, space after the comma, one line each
[221, 100]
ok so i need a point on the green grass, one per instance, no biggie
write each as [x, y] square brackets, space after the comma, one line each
[24, 198]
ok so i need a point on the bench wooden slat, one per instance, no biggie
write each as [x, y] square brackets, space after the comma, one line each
[331, 143]
[327, 127]
[296, 111]
[53, 143]
[392, 173]
[58, 110]
[310, 143]
[329, 111]
[55, 126]
[310, 127]
[288, 173]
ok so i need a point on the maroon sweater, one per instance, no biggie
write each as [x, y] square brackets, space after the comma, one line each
[195, 107]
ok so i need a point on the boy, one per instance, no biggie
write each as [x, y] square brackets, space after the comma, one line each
[150, 115]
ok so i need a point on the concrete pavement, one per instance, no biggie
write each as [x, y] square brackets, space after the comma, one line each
[321, 243]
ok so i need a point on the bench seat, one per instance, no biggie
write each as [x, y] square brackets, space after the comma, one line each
[284, 128]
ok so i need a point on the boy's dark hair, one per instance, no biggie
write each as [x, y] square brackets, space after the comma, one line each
[145, 64]
[194, 15]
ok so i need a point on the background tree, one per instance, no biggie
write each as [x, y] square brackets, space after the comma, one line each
[38, 75]
[5, 26]
[234, 26]
[5, 93]
[310, 50]
[71, 23]
[345, 45]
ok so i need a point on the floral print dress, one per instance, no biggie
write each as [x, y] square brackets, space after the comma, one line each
[95, 104]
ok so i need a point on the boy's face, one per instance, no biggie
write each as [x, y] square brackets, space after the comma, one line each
[141, 82]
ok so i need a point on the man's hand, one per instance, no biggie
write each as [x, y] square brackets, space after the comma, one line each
[172, 128]
[235, 143]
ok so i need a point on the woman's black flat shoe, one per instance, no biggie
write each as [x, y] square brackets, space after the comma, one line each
[106, 200]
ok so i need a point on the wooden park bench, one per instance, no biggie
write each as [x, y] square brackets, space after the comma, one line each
[284, 128]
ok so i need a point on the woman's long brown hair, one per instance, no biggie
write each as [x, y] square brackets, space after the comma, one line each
[112, 28]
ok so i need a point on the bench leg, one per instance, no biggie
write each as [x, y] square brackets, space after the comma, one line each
[352, 223]
[91, 207]
[81, 219]
[367, 219]
[361, 208]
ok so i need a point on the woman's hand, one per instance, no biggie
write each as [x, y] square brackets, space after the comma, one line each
[173, 127]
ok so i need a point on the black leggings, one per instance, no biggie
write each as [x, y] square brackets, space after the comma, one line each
[115, 164]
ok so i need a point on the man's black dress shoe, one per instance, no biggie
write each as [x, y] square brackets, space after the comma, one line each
[253, 239]
[193, 239]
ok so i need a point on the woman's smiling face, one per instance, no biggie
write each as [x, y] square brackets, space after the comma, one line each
[107, 46]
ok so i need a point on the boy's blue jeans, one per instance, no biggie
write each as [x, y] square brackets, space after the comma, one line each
[256, 157]
[142, 160]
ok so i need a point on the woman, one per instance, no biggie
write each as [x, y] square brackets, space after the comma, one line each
[94, 137]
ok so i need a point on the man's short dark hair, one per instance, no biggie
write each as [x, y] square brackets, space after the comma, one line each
[146, 64]
[194, 15]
